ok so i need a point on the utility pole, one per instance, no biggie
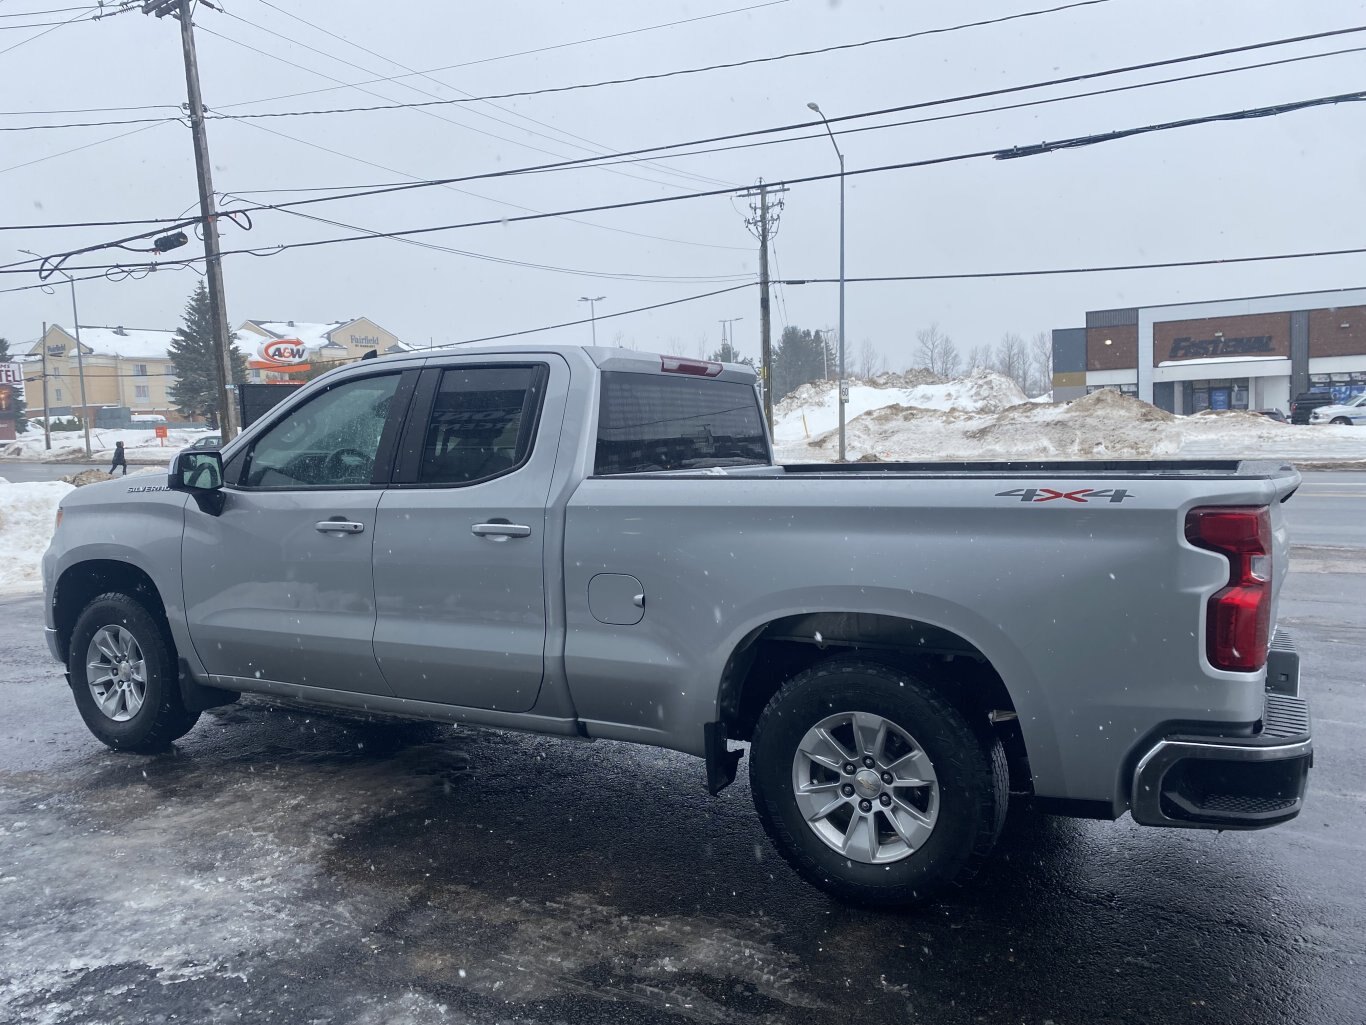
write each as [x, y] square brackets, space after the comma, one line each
[227, 415]
[47, 413]
[80, 359]
[763, 225]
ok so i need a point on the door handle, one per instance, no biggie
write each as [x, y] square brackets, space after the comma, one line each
[338, 527]
[500, 530]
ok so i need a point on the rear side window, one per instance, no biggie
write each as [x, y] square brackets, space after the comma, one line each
[482, 423]
[651, 422]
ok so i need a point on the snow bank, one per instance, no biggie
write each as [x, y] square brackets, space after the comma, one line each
[26, 519]
[975, 419]
[812, 410]
[140, 445]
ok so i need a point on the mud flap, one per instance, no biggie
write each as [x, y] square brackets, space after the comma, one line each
[722, 763]
[196, 696]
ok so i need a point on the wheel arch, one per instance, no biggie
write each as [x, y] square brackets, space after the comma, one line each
[777, 650]
[78, 584]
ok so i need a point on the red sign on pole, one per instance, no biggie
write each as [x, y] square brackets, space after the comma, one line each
[161, 433]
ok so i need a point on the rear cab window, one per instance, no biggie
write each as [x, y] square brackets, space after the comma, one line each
[648, 423]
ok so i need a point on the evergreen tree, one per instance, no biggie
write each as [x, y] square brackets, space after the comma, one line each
[728, 353]
[801, 356]
[13, 408]
[195, 389]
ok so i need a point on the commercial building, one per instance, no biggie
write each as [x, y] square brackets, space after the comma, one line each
[131, 367]
[123, 367]
[1251, 353]
[275, 349]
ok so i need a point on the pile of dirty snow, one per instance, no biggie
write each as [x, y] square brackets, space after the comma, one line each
[812, 408]
[27, 512]
[1103, 425]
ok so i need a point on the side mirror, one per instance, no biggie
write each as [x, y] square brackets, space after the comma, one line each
[200, 474]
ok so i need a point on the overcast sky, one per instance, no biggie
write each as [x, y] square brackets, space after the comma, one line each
[1285, 184]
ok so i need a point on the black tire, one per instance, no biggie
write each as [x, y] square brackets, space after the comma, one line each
[161, 717]
[1342, 421]
[968, 762]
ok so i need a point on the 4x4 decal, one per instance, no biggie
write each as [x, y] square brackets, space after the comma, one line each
[1080, 495]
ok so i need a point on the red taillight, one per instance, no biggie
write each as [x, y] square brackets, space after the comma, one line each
[1238, 622]
[695, 367]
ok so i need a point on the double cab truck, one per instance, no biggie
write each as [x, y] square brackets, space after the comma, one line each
[598, 543]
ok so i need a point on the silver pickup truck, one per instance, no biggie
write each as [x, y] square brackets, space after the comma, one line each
[597, 543]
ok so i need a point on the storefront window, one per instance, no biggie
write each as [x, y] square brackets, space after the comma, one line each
[1217, 395]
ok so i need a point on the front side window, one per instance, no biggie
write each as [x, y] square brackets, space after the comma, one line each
[651, 422]
[331, 441]
[482, 423]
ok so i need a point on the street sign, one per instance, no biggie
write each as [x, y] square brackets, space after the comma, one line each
[161, 432]
[844, 392]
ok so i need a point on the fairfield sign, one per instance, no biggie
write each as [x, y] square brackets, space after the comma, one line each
[281, 356]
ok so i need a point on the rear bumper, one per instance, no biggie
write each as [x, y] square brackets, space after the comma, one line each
[1241, 782]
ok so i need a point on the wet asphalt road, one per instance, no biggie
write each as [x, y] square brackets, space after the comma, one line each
[279, 866]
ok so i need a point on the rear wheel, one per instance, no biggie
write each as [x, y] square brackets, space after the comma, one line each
[123, 676]
[873, 786]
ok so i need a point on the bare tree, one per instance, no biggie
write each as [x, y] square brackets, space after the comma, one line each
[979, 356]
[1012, 359]
[869, 362]
[936, 352]
[1041, 362]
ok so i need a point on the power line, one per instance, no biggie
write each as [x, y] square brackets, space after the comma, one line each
[54, 28]
[578, 271]
[999, 154]
[75, 149]
[601, 316]
[591, 144]
[1165, 265]
[418, 108]
[1066, 80]
[711, 67]
[485, 60]
[57, 10]
[891, 278]
[419, 182]
[56, 260]
[526, 53]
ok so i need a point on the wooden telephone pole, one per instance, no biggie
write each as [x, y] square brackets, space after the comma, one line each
[763, 225]
[213, 260]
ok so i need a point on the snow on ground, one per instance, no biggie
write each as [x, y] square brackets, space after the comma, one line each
[811, 409]
[26, 520]
[141, 445]
[978, 418]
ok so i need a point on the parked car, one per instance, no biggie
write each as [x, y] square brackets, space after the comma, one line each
[209, 443]
[1343, 413]
[1274, 414]
[1304, 404]
[598, 543]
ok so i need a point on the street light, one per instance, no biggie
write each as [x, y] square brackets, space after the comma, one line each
[593, 312]
[843, 392]
[724, 325]
[80, 361]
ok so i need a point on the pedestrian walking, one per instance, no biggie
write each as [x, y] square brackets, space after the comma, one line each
[119, 459]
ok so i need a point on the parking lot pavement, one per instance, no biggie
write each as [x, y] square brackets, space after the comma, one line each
[284, 866]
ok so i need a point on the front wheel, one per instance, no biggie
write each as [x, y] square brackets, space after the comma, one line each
[1342, 421]
[123, 676]
[873, 786]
